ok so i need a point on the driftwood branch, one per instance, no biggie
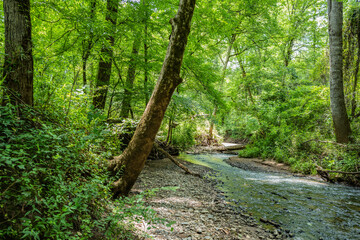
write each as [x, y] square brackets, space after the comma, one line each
[177, 163]
[325, 173]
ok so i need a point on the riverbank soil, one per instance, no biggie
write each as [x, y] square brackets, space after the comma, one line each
[197, 207]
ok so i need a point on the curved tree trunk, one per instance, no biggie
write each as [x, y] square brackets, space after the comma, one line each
[132, 161]
[18, 65]
[338, 108]
[105, 63]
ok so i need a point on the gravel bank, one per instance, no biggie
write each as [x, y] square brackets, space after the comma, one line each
[197, 207]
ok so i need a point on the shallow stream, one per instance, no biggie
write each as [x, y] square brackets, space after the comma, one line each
[309, 209]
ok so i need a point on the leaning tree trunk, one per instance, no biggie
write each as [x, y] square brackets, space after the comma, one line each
[18, 64]
[132, 161]
[105, 62]
[338, 108]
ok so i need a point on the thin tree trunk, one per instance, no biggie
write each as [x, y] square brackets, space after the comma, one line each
[112, 98]
[146, 49]
[76, 75]
[338, 108]
[243, 73]
[227, 59]
[88, 44]
[132, 161]
[169, 132]
[129, 85]
[106, 56]
[18, 64]
[356, 72]
[288, 52]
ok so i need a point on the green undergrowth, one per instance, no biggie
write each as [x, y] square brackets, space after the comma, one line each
[296, 128]
[54, 183]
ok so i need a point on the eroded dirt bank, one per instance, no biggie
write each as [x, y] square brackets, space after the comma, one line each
[199, 210]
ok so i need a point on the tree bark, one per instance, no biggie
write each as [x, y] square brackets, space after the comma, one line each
[128, 92]
[105, 62]
[18, 64]
[338, 108]
[132, 161]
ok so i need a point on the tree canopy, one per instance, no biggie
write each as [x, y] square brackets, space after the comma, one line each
[77, 77]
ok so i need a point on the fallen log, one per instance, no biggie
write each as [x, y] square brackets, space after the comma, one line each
[235, 147]
[177, 163]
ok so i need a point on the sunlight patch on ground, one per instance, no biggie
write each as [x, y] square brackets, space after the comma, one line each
[180, 200]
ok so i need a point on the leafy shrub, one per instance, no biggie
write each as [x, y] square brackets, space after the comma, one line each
[54, 184]
[288, 124]
[184, 135]
[284, 122]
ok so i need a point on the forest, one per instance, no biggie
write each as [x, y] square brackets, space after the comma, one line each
[88, 87]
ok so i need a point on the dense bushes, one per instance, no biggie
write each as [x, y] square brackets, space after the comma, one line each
[53, 180]
[287, 128]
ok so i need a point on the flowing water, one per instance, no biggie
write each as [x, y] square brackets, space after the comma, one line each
[309, 209]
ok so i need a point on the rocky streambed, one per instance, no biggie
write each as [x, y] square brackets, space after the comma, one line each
[197, 207]
[306, 206]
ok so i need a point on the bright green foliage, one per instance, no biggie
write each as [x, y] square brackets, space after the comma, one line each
[273, 94]
[281, 123]
[54, 183]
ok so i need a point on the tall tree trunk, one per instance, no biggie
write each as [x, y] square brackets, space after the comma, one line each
[132, 161]
[88, 43]
[126, 101]
[105, 62]
[338, 108]
[146, 49]
[18, 65]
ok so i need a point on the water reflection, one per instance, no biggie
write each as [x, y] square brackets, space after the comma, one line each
[310, 209]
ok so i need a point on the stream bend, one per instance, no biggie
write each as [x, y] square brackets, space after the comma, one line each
[309, 209]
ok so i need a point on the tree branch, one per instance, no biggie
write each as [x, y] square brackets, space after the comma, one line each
[177, 163]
